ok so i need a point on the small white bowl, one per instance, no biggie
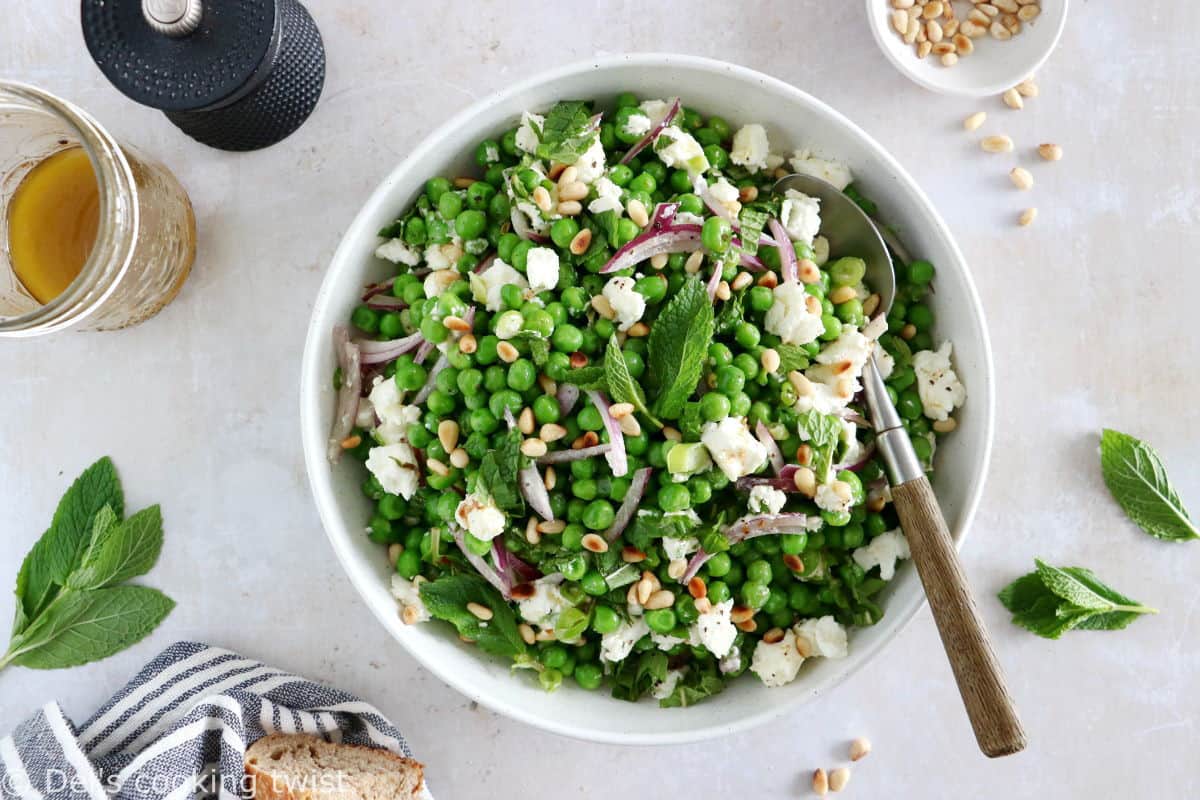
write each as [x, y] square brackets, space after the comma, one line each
[793, 119]
[990, 70]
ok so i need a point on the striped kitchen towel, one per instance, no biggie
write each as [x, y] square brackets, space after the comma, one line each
[180, 730]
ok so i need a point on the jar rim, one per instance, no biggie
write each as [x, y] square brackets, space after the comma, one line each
[116, 183]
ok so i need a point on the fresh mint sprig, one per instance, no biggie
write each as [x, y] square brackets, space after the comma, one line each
[1053, 600]
[1138, 482]
[73, 605]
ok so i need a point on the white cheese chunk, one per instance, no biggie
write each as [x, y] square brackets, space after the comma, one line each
[766, 500]
[795, 315]
[833, 172]
[734, 449]
[541, 265]
[486, 285]
[627, 303]
[480, 517]
[680, 150]
[396, 251]
[750, 147]
[821, 637]
[590, 165]
[608, 198]
[395, 467]
[937, 384]
[715, 630]
[529, 131]
[617, 645]
[801, 216]
[408, 595]
[884, 551]
[547, 602]
[777, 664]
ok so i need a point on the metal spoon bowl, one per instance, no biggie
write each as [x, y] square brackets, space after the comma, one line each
[851, 232]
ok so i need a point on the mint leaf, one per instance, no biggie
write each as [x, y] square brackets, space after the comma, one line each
[58, 552]
[606, 223]
[79, 627]
[678, 345]
[751, 221]
[823, 432]
[567, 132]
[120, 551]
[539, 346]
[791, 358]
[497, 476]
[1138, 482]
[634, 677]
[1054, 600]
[732, 312]
[694, 686]
[447, 598]
[570, 625]
[591, 377]
[622, 388]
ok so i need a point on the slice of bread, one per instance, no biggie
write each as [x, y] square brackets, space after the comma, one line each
[285, 766]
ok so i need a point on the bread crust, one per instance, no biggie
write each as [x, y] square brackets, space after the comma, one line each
[268, 786]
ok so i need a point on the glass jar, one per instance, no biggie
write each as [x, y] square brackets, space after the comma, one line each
[146, 239]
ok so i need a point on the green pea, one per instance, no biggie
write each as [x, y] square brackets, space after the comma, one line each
[440, 403]
[520, 254]
[410, 377]
[539, 321]
[718, 591]
[680, 181]
[449, 205]
[674, 497]
[851, 312]
[717, 156]
[545, 409]
[433, 330]
[644, 182]
[920, 316]
[719, 354]
[409, 564]
[627, 100]
[585, 489]
[653, 288]
[447, 504]
[414, 231]
[634, 361]
[747, 363]
[627, 231]
[390, 325]
[563, 231]
[754, 593]
[572, 535]
[692, 204]
[922, 341]
[922, 448]
[567, 338]
[550, 679]
[365, 319]
[700, 490]
[847, 271]
[716, 234]
[793, 543]
[470, 224]
[745, 334]
[714, 406]
[620, 174]
[777, 601]
[761, 299]
[833, 327]
[910, 404]
[598, 515]
[593, 583]
[436, 187]
[499, 208]
[505, 399]
[920, 272]
[730, 380]
[706, 136]
[590, 419]
[589, 676]
[584, 468]
[605, 619]
[661, 620]
[759, 571]
[505, 245]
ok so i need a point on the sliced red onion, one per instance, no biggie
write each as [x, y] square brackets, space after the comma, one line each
[426, 347]
[674, 239]
[512, 568]
[698, 560]
[522, 228]
[565, 456]
[377, 288]
[652, 134]
[481, 566]
[768, 441]
[752, 263]
[382, 352]
[714, 281]
[865, 456]
[386, 302]
[348, 357]
[484, 263]
[751, 527]
[637, 489]
[850, 415]
[427, 389]
[616, 458]
[787, 253]
[568, 396]
[663, 215]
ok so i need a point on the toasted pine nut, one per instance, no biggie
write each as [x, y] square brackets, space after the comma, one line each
[639, 330]
[933, 30]
[672, 434]
[1011, 22]
[525, 421]
[808, 271]
[900, 22]
[663, 598]
[467, 343]
[742, 280]
[772, 636]
[859, 748]
[410, 615]
[459, 458]
[676, 568]
[568, 176]
[351, 442]
[527, 633]
[552, 432]
[749, 626]
[578, 359]
[704, 605]
[637, 212]
[697, 588]
[1009, 6]
[902, 4]
[508, 354]
[659, 260]
[933, 10]
[556, 170]
[973, 122]
[480, 611]
[949, 59]
[541, 198]
[770, 360]
[842, 294]
[820, 783]
[793, 562]
[644, 590]
[908, 331]
[842, 490]
[914, 29]
[534, 448]
[1027, 88]
[523, 591]
[839, 778]
[618, 410]
[571, 191]
[1027, 13]
[1012, 99]
[1021, 178]
[1050, 152]
[950, 27]
[602, 306]
[723, 292]
[806, 481]
[1027, 217]
[437, 467]
[546, 635]
[943, 48]
[804, 454]
[769, 280]
[631, 596]
[972, 29]
[581, 242]
[587, 439]
[692, 265]
[594, 543]
[963, 44]
[457, 324]
[801, 383]
[988, 10]
[532, 534]
[394, 551]
[552, 526]
[870, 305]
[998, 143]
[630, 426]
[875, 503]
[741, 613]
[569, 208]
[998, 31]
[631, 555]
[748, 194]
[978, 17]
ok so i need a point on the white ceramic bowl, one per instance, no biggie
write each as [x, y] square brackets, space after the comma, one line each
[992, 68]
[792, 119]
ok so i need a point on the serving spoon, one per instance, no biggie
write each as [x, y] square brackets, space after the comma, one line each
[980, 680]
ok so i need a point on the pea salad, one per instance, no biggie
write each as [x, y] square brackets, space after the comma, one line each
[609, 405]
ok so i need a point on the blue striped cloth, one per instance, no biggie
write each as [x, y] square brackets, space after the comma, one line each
[180, 730]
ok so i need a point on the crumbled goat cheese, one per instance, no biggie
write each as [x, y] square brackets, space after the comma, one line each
[726, 194]
[663, 689]
[715, 630]
[590, 165]
[617, 645]
[734, 449]
[486, 286]
[655, 110]
[528, 133]
[836, 373]
[541, 265]
[608, 198]
[480, 516]
[395, 467]
[801, 216]
[884, 363]
[638, 124]
[731, 662]
[546, 604]
[679, 548]
[750, 148]
[627, 303]
[443, 256]
[883, 552]
[397, 252]
[394, 416]
[829, 500]
[766, 500]
[833, 172]
[795, 316]
[821, 637]
[682, 151]
[408, 595]
[937, 384]
[438, 281]
[777, 664]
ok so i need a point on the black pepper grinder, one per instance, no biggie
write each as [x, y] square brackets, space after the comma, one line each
[233, 74]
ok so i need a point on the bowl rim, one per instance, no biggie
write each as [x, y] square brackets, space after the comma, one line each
[880, 28]
[314, 430]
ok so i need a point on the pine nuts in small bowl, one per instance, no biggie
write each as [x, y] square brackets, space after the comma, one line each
[978, 62]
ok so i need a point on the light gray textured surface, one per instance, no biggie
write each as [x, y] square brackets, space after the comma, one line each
[1091, 319]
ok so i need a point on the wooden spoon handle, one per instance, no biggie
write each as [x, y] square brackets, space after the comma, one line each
[980, 680]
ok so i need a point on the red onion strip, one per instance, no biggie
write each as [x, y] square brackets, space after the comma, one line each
[865, 456]
[765, 524]
[637, 489]
[427, 389]
[382, 352]
[674, 239]
[564, 456]
[787, 253]
[652, 134]
[386, 303]
[481, 566]
[714, 281]
[568, 396]
[616, 458]
[768, 441]
[348, 357]
[752, 263]
[377, 288]
[698, 559]
[423, 351]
